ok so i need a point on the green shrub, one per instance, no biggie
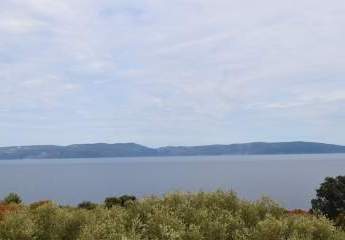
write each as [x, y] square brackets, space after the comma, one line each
[87, 205]
[17, 226]
[121, 201]
[183, 216]
[330, 197]
[12, 198]
[340, 221]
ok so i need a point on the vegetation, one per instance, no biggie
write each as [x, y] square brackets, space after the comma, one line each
[330, 199]
[87, 205]
[122, 201]
[12, 198]
[209, 216]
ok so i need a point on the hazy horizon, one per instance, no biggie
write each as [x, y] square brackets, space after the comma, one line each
[162, 73]
[177, 145]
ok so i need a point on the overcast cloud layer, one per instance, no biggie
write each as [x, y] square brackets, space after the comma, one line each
[180, 72]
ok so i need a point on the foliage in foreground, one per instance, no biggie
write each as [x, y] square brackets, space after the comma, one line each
[330, 198]
[209, 216]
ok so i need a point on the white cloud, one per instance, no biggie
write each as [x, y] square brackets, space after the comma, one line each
[201, 64]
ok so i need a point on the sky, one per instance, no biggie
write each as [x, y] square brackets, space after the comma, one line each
[179, 72]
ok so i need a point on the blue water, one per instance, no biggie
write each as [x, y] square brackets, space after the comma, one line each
[288, 179]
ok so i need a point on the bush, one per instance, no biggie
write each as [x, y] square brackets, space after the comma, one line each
[330, 197]
[183, 216]
[52, 222]
[17, 226]
[111, 201]
[38, 204]
[12, 198]
[87, 205]
[121, 201]
[340, 221]
[7, 209]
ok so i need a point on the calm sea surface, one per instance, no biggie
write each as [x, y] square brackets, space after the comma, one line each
[289, 179]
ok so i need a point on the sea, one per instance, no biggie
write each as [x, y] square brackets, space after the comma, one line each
[291, 180]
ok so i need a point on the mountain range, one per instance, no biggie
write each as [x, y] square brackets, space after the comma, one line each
[102, 150]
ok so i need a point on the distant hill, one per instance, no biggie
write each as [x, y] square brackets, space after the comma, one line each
[101, 150]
